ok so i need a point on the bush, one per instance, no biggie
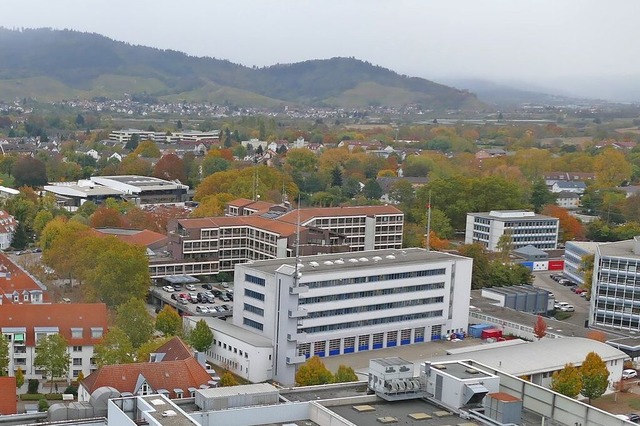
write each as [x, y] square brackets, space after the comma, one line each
[560, 315]
[33, 386]
[72, 389]
[43, 405]
[53, 396]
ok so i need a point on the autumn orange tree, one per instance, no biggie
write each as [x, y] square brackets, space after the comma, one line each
[540, 328]
[170, 167]
[570, 227]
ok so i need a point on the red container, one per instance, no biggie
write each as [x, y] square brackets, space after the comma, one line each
[491, 333]
[556, 265]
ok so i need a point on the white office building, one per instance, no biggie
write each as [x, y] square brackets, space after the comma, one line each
[351, 302]
[615, 290]
[574, 254]
[524, 227]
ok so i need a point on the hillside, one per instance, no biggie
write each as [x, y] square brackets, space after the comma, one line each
[52, 65]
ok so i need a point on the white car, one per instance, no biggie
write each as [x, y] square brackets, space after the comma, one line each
[190, 287]
[629, 373]
[564, 307]
[225, 285]
[168, 288]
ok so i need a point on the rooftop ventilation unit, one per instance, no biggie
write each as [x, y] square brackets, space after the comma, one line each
[314, 264]
[376, 258]
[353, 260]
[363, 259]
[328, 262]
[390, 256]
[339, 262]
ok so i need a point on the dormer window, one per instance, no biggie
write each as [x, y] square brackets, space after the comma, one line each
[76, 333]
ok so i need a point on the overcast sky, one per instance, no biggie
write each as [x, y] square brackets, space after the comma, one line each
[536, 41]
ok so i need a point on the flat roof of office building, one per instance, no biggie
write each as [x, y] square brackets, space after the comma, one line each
[351, 260]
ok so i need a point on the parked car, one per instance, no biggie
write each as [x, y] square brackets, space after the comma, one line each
[168, 288]
[182, 301]
[177, 287]
[225, 285]
[634, 417]
[629, 373]
[564, 281]
[190, 287]
[202, 310]
[564, 307]
[224, 298]
[206, 286]
[216, 292]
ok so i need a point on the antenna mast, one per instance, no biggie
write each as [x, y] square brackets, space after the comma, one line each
[297, 243]
[429, 223]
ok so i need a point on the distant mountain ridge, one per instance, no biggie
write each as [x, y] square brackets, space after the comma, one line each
[62, 64]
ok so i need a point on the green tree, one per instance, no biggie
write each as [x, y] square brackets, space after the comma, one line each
[336, 176]
[52, 356]
[4, 355]
[169, 322]
[227, 379]
[113, 270]
[595, 376]
[313, 372]
[586, 267]
[20, 238]
[43, 405]
[345, 374]
[505, 245]
[211, 165]
[133, 318]
[133, 142]
[567, 381]
[372, 190]
[40, 221]
[148, 149]
[19, 377]
[540, 195]
[481, 271]
[201, 336]
[115, 348]
[29, 171]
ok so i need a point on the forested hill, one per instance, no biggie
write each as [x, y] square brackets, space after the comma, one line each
[53, 65]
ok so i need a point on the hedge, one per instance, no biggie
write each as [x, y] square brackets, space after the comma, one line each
[39, 396]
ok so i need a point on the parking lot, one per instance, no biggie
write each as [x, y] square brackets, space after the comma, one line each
[195, 299]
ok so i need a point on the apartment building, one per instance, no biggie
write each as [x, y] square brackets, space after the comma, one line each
[123, 136]
[82, 325]
[365, 227]
[351, 302]
[215, 244]
[524, 228]
[615, 291]
[8, 226]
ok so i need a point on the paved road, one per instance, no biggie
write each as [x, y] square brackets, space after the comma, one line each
[564, 294]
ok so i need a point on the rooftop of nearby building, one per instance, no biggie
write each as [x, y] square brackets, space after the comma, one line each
[584, 245]
[537, 357]
[62, 316]
[353, 260]
[141, 237]
[511, 215]
[14, 278]
[169, 375]
[619, 249]
[229, 329]
[143, 183]
[308, 214]
[276, 226]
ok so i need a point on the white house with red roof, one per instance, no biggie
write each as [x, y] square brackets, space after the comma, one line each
[172, 371]
[8, 226]
[81, 324]
[18, 286]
